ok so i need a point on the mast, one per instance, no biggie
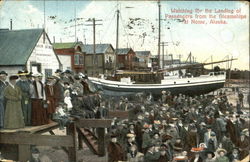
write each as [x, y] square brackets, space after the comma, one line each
[44, 21]
[159, 32]
[117, 38]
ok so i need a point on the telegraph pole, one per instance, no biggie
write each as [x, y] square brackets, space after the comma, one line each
[95, 61]
[163, 44]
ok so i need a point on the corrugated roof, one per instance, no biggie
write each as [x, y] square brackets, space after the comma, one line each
[65, 45]
[142, 53]
[123, 51]
[16, 46]
[100, 48]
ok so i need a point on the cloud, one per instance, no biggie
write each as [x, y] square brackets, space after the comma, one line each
[30, 9]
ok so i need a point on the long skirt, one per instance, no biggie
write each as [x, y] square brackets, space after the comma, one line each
[39, 113]
[13, 117]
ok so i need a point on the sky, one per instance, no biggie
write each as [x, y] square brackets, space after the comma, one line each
[138, 26]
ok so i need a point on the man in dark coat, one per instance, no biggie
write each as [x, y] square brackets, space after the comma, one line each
[58, 91]
[3, 85]
[115, 150]
[243, 145]
[231, 129]
[24, 85]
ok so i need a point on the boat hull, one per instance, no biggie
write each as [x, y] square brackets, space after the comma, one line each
[190, 89]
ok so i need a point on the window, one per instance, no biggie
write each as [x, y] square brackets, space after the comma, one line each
[48, 72]
[76, 59]
[81, 59]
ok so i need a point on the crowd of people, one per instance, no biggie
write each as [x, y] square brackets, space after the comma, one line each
[205, 128]
[171, 128]
[25, 100]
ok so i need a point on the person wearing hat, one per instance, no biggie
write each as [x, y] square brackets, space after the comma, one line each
[146, 139]
[163, 154]
[222, 156]
[152, 154]
[50, 95]
[207, 135]
[243, 145]
[3, 85]
[212, 143]
[115, 150]
[178, 146]
[130, 141]
[13, 117]
[163, 97]
[133, 154]
[24, 85]
[38, 98]
[196, 157]
[234, 156]
[209, 156]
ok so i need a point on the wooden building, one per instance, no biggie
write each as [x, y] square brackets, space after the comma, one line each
[71, 55]
[28, 49]
[104, 63]
[126, 58]
[144, 60]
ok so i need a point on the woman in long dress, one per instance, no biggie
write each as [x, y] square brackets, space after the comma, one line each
[13, 117]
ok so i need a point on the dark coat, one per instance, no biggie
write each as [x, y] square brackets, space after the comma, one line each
[115, 152]
[243, 147]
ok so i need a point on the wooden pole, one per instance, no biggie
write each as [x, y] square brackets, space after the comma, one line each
[101, 141]
[71, 130]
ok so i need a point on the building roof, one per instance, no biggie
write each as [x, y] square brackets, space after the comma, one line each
[16, 46]
[142, 53]
[123, 51]
[100, 48]
[65, 45]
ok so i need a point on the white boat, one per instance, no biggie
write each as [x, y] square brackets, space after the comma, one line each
[186, 85]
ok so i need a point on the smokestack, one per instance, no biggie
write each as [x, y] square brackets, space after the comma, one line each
[54, 39]
[10, 24]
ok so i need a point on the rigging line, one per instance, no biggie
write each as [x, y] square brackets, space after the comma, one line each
[215, 39]
[125, 31]
[105, 33]
[172, 41]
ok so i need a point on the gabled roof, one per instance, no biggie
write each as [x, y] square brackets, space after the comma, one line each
[65, 45]
[142, 53]
[99, 48]
[123, 51]
[16, 46]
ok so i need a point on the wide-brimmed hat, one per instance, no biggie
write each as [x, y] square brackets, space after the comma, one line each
[22, 73]
[210, 152]
[3, 73]
[13, 77]
[197, 149]
[58, 71]
[221, 150]
[130, 135]
[166, 137]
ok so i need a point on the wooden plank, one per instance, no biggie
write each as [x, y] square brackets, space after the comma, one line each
[118, 114]
[101, 141]
[24, 152]
[32, 129]
[72, 151]
[93, 123]
[36, 139]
